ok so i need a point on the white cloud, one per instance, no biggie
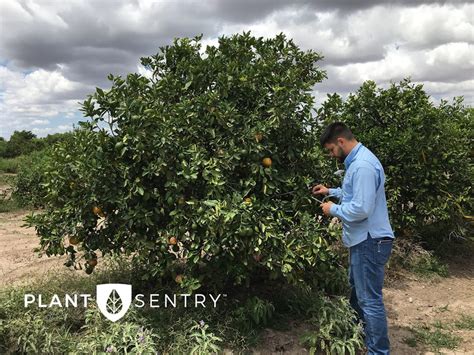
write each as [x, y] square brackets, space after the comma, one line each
[458, 54]
[447, 63]
[427, 24]
[40, 122]
[41, 132]
[29, 100]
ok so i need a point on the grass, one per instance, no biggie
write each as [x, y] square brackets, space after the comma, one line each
[437, 336]
[6, 179]
[235, 324]
[465, 323]
[411, 256]
[7, 204]
[10, 165]
[429, 266]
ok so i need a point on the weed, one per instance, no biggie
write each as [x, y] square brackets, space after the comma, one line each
[466, 322]
[437, 336]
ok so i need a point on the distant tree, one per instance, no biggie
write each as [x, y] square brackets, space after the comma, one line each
[3, 147]
[21, 142]
[25, 142]
[52, 139]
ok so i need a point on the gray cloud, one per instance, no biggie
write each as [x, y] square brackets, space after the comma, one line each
[74, 45]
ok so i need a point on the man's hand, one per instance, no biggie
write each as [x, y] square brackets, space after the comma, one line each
[326, 206]
[320, 190]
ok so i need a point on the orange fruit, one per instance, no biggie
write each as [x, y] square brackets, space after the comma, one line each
[73, 240]
[173, 241]
[92, 262]
[98, 211]
[179, 278]
[267, 162]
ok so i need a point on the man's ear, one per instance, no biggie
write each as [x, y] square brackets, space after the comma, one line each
[341, 141]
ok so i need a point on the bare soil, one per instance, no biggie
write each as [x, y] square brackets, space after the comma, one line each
[410, 300]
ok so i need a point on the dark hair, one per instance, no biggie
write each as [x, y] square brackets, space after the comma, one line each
[334, 131]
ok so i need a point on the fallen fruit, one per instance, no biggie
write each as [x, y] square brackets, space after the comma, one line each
[267, 162]
[69, 263]
[73, 240]
[92, 262]
[89, 270]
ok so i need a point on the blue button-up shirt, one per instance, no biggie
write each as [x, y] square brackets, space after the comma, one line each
[363, 205]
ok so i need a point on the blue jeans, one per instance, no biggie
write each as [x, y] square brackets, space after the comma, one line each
[366, 275]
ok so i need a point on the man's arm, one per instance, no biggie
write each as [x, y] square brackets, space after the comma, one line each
[363, 200]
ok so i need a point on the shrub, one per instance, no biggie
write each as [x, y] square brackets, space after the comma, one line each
[201, 171]
[426, 151]
[28, 186]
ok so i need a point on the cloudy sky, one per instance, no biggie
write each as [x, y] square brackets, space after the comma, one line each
[55, 52]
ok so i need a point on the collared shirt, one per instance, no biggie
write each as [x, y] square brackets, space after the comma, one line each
[363, 205]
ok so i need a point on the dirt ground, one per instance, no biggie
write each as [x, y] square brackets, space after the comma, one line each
[410, 301]
[18, 261]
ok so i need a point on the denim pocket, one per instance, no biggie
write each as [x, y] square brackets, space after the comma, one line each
[383, 249]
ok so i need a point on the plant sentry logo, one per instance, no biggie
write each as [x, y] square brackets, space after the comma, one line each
[114, 300]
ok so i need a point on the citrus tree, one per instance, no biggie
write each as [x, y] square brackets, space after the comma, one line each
[426, 150]
[199, 170]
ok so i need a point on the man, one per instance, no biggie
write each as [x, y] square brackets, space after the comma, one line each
[366, 228]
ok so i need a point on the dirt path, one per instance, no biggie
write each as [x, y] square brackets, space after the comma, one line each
[412, 302]
[409, 301]
[18, 261]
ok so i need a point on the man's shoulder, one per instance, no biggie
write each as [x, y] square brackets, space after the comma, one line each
[366, 155]
[363, 163]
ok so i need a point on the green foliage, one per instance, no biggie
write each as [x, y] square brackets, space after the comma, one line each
[466, 322]
[335, 329]
[10, 165]
[144, 330]
[7, 204]
[130, 335]
[25, 142]
[426, 151]
[28, 189]
[254, 313]
[3, 146]
[206, 342]
[20, 143]
[34, 335]
[410, 255]
[181, 153]
[436, 339]
[430, 265]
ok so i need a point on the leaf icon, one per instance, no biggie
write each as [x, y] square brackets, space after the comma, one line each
[114, 302]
